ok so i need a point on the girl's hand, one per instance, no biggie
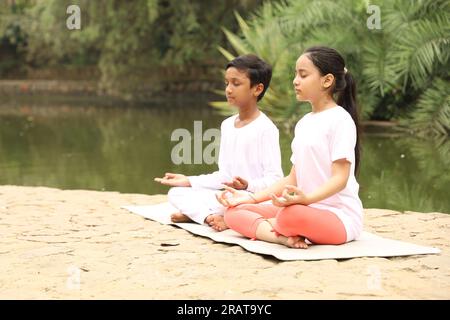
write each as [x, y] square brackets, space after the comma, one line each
[231, 197]
[174, 180]
[290, 195]
[238, 183]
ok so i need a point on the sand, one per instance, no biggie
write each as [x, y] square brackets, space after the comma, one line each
[78, 244]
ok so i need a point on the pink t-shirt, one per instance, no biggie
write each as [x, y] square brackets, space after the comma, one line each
[321, 138]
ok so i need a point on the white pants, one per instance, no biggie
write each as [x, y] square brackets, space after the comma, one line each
[197, 203]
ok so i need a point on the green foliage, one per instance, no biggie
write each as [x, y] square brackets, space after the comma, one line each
[402, 70]
[432, 111]
[127, 40]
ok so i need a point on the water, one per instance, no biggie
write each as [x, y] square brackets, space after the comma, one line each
[121, 148]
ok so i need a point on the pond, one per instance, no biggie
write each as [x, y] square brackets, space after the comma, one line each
[84, 145]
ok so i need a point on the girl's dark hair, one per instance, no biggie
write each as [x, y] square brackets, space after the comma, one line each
[328, 60]
[258, 71]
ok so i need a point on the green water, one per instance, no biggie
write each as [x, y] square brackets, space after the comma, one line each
[122, 148]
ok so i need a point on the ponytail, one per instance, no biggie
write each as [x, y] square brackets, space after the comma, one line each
[346, 98]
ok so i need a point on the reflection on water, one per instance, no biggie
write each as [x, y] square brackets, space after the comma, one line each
[123, 148]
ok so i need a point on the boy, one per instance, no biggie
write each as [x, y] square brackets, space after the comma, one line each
[249, 154]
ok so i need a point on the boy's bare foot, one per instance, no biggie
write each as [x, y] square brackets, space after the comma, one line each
[209, 219]
[297, 242]
[216, 221]
[179, 217]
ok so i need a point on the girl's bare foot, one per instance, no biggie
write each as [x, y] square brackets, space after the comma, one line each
[217, 222]
[297, 242]
[179, 217]
[266, 232]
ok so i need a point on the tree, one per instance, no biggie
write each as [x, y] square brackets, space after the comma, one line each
[127, 40]
[402, 69]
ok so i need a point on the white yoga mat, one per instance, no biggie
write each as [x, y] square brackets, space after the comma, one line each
[368, 245]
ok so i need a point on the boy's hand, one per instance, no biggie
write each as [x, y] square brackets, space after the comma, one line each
[291, 195]
[174, 180]
[238, 183]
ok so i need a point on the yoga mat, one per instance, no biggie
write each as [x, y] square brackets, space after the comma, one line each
[368, 245]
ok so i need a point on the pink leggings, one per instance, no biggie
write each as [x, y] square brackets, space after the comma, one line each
[318, 226]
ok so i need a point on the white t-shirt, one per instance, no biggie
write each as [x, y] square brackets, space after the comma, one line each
[321, 138]
[251, 152]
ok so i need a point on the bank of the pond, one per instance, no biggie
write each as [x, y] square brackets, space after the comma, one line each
[147, 91]
[79, 244]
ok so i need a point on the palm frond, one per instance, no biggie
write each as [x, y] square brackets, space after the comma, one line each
[431, 116]
[393, 66]
[379, 76]
[227, 54]
[236, 42]
[419, 51]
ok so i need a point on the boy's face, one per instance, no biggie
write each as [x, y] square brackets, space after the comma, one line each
[238, 90]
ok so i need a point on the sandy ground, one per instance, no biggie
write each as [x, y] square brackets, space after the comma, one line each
[79, 244]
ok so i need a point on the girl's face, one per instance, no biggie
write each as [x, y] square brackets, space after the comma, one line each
[238, 90]
[309, 84]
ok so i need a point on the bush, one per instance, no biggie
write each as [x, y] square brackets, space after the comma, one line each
[402, 69]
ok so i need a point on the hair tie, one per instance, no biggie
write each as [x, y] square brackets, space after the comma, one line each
[345, 70]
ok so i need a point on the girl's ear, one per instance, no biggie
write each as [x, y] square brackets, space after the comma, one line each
[327, 81]
[258, 89]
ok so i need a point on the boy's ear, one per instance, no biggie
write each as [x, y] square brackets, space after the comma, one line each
[258, 89]
[327, 81]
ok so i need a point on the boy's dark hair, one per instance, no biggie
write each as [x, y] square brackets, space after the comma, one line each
[258, 71]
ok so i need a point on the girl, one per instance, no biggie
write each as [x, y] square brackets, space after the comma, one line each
[249, 155]
[318, 200]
